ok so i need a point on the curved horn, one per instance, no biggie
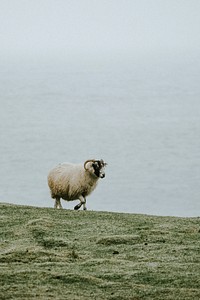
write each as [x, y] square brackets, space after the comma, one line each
[92, 160]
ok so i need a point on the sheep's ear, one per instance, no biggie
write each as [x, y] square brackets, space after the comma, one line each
[103, 163]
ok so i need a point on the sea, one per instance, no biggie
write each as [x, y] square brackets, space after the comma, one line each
[142, 116]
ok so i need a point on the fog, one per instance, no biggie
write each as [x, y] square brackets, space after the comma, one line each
[98, 29]
[117, 80]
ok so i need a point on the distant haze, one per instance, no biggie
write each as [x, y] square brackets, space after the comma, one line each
[89, 28]
[117, 80]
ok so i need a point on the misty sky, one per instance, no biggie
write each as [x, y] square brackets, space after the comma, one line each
[67, 28]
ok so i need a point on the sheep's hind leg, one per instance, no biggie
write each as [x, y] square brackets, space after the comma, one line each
[57, 203]
[82, 202]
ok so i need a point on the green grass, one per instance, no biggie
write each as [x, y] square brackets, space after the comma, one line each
[63, 254]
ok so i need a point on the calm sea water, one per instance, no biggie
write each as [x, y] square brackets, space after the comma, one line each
[143, 118]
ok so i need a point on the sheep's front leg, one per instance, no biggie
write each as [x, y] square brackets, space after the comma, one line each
[84, 205]
[82, 202]
[57, 203]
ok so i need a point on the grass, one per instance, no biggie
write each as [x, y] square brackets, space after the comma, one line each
[64, 254]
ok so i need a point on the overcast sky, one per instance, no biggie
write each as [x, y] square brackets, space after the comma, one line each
[98, 27]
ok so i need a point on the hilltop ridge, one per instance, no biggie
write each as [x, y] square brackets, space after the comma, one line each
[65, 254]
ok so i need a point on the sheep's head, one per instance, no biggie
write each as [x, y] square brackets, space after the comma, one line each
[96, 167]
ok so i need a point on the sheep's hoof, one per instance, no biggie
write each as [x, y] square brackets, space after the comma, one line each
[77, 206]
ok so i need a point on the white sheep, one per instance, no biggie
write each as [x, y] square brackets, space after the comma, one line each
[75, 181]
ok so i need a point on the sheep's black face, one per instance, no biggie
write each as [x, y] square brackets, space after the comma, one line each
[99, 168]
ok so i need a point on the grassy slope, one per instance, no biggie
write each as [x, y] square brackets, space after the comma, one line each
[63, 254]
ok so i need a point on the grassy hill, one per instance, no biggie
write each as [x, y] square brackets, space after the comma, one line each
[63, 254]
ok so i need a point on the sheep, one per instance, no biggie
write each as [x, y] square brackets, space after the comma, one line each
[75, 181]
